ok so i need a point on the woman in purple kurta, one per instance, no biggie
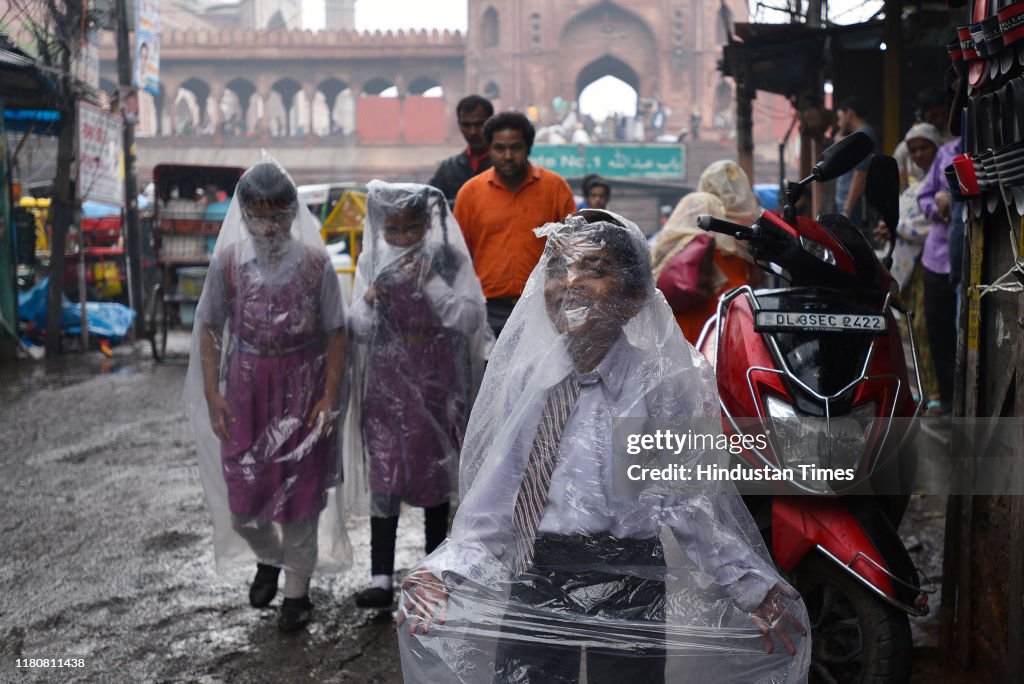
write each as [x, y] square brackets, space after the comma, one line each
[419, 311]
[264, 386]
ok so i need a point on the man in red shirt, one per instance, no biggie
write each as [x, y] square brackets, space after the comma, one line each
[499, 208]
[471, 112]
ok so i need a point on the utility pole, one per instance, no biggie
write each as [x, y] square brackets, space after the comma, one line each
[62, 213]
[812, 138]
[893, 67]
[131, 192]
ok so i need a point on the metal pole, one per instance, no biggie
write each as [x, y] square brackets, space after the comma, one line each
[82, 295]
[893, 66]
[745, 123]
[131, 193]
[60, 211]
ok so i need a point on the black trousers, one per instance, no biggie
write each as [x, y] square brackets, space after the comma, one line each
[498, 311]
[940, 320]
[383, 532]
[559, 587]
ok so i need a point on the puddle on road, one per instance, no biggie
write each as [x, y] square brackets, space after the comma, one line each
[24, 376]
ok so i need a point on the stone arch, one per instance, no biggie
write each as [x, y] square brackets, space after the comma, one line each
[490, 28]
[236, 106]
[629, 50]
[191, 107]
[424, 85]
[286, 89]
[606, 65]
[377, 86]
[613, 75]
[338, 106]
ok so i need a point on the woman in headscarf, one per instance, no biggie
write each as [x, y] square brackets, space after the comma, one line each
[728, 182]
[692, 267]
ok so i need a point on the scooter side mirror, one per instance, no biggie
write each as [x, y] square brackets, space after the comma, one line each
[843, 156]
[882, 189]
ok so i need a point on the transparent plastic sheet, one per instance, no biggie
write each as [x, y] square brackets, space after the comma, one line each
[268, 355]
[659, 581]
[418, 319]
[729, 183]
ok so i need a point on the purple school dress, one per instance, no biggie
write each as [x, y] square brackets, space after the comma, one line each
[275, 371]
[415, 409]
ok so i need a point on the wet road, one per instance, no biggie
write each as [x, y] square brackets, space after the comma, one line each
[107, 549]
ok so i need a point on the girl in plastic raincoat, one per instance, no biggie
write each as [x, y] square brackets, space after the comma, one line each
[560, 545]
[264, 387]
[418, 313]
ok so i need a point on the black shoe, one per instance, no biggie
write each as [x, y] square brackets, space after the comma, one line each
[264, 587]
[295, 614]
[375, 597]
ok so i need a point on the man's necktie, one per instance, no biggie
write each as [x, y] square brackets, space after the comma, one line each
[533, 491]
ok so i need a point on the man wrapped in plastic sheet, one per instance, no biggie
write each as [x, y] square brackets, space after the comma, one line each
[264, 388]
[419, 316]
[549, 556]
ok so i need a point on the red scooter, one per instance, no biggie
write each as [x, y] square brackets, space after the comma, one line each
[818, 369]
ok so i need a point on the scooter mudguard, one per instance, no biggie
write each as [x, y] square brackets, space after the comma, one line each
[803, 524]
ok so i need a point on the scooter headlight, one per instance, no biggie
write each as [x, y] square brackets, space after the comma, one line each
[832, 443]
[849, 435]
[819, 250]
[795, 438]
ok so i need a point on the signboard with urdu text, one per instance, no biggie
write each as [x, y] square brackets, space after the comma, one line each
[661, 162]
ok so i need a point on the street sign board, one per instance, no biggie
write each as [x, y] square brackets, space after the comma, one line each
[100, 167]
[661, 162]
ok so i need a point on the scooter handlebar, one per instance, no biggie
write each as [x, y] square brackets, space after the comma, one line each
[715, 225]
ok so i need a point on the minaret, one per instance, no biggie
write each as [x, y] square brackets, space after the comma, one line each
[340, 14]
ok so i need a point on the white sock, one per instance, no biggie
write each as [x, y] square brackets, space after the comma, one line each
[381, 582]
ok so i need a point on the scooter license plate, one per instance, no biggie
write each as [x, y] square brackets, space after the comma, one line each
[781, 321]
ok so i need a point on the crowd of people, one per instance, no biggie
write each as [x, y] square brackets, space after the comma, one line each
[495, 335]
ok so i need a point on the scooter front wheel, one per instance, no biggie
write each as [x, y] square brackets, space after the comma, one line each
[856, 637]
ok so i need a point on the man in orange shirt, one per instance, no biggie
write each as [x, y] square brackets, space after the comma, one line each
[499, 208]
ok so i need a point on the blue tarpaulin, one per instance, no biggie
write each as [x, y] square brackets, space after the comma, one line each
[768, 195]
[109, 320]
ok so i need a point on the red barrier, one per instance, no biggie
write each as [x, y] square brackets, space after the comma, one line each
[378, 119]
[424, 119]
